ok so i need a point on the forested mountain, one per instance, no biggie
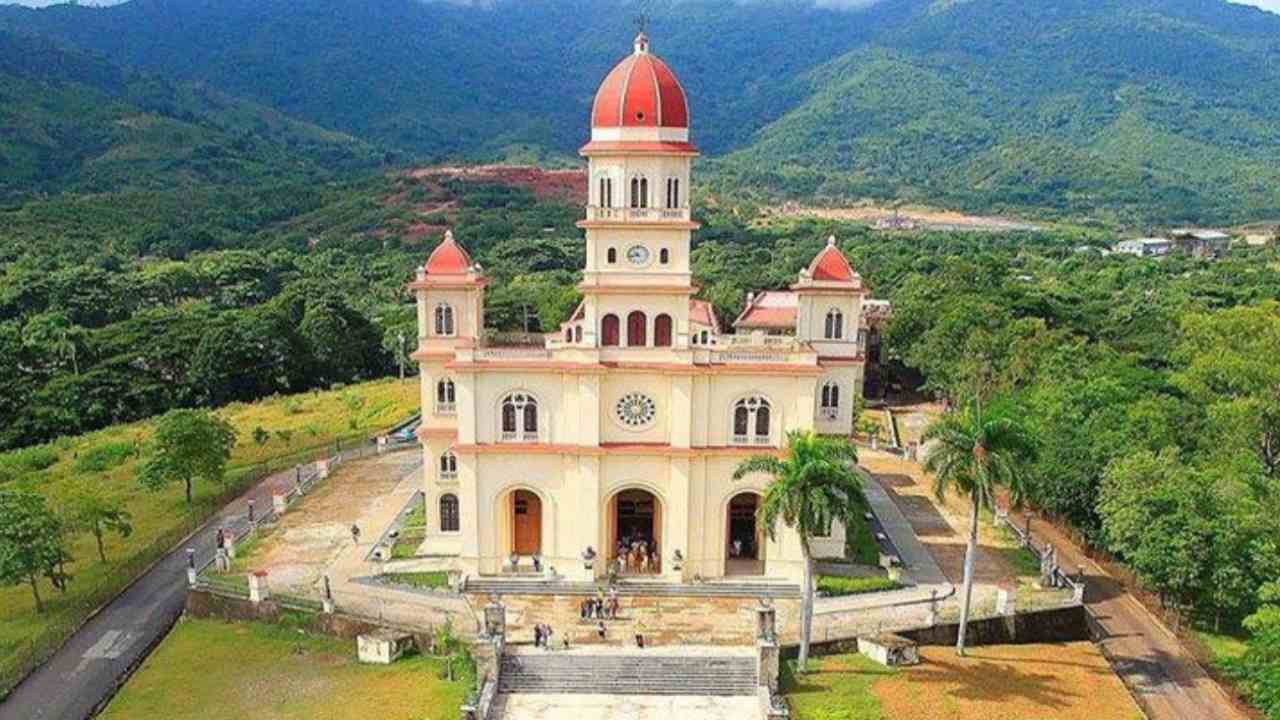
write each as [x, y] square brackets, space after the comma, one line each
[74, 121]
[1141, 110]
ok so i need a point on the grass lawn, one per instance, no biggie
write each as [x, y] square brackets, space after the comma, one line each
[211, 670]
[429, 580]
[1070, 681]
[298, 427]
[1225, 647]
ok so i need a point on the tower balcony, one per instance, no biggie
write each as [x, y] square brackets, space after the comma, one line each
[597, 214]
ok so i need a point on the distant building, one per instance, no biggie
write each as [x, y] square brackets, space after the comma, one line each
[1145, 247]
[1201, 243]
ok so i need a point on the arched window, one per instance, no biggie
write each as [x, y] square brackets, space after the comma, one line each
[612, 255]
[639, 192]
[673, 193]
[519, 418]
[662, 330]
[449, 513]
[445, 398]
[664, 256]
[751, 418]
[448, 466]
[577, 334]
[568, 334]
[609, 331]
[830, 403]
[835, 325]
[637, 329]
[444, 319]
[706, 337]
[606, 193]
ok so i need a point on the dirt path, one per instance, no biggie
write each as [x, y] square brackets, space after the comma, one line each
[1163, 676]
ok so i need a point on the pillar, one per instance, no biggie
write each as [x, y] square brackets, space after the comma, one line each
[258, 588]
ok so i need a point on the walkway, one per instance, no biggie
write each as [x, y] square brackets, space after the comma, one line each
[1163, 676]
[85, 672]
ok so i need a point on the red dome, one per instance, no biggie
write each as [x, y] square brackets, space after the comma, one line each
[448, 258]
[640, 91]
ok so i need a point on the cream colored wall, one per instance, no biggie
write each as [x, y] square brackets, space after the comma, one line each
[655, 238]
[849, 379]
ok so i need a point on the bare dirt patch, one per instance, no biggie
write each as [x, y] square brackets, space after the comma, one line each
[569, 185]
[905, 218]
[1007, 682]
[308, 538]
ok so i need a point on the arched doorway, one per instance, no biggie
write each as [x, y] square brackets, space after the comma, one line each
[635, 532]
[744, 539]
[526, 523]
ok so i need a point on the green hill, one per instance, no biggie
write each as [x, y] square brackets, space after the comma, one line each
[1135, 108]
[74, 121]
[1138, 111]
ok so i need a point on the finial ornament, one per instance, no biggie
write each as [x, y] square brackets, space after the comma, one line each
[831, 241]
[448, 236]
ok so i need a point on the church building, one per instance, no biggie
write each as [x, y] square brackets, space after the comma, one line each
[623, 429]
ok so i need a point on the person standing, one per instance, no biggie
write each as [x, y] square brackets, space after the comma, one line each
[537, 635]
[355, 533]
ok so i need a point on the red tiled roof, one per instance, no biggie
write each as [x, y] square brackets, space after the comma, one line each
[702, 312]
[770, 310]
[640, 91]
[448, 258]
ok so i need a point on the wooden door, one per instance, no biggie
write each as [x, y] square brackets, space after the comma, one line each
[526, 511]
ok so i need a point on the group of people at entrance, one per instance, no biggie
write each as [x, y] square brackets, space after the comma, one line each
[636, 556]
[600, 607]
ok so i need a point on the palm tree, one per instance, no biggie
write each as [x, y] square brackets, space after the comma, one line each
[976, 451]
[814, 483]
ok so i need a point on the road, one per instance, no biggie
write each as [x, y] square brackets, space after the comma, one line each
[1164, 677]
[85, 672]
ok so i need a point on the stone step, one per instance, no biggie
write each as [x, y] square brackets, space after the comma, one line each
[630, 674]
[488, 586]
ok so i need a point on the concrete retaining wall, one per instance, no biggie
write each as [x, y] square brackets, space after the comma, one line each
[1068, 624]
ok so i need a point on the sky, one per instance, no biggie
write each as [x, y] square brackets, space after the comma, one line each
[1272, 5]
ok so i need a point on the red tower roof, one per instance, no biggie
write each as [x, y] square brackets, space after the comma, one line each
[448, 258]
[830, 265]
[640, 91]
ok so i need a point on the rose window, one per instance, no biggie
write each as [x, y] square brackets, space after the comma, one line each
[636, 410]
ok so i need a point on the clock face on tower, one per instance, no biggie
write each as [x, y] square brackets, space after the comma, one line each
[638, 255]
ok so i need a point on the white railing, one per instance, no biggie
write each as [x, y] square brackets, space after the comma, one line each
[517, 437]
[595, 213]
[742, 356]
[512, 354]
[448, 474]
[446, 408]
[768, 341]
[828, 413]
[752, 440]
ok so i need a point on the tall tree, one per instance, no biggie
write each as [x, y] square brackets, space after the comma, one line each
[976, 450]
[31, 542]
[88, 507]
[812, 484]
[189, 445]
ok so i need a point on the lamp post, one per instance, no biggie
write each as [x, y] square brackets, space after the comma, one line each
[400, 337]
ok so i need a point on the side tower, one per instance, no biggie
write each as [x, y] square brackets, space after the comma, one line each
[450, 297]
[638, 222]
[829, 316]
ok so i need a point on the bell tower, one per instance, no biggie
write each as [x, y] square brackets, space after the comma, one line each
[638, 222]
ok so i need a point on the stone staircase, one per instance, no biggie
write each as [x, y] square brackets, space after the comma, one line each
[628, 674]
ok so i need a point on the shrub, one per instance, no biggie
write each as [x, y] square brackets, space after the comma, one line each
[101, 458]
[833, 586]
[27, 460]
